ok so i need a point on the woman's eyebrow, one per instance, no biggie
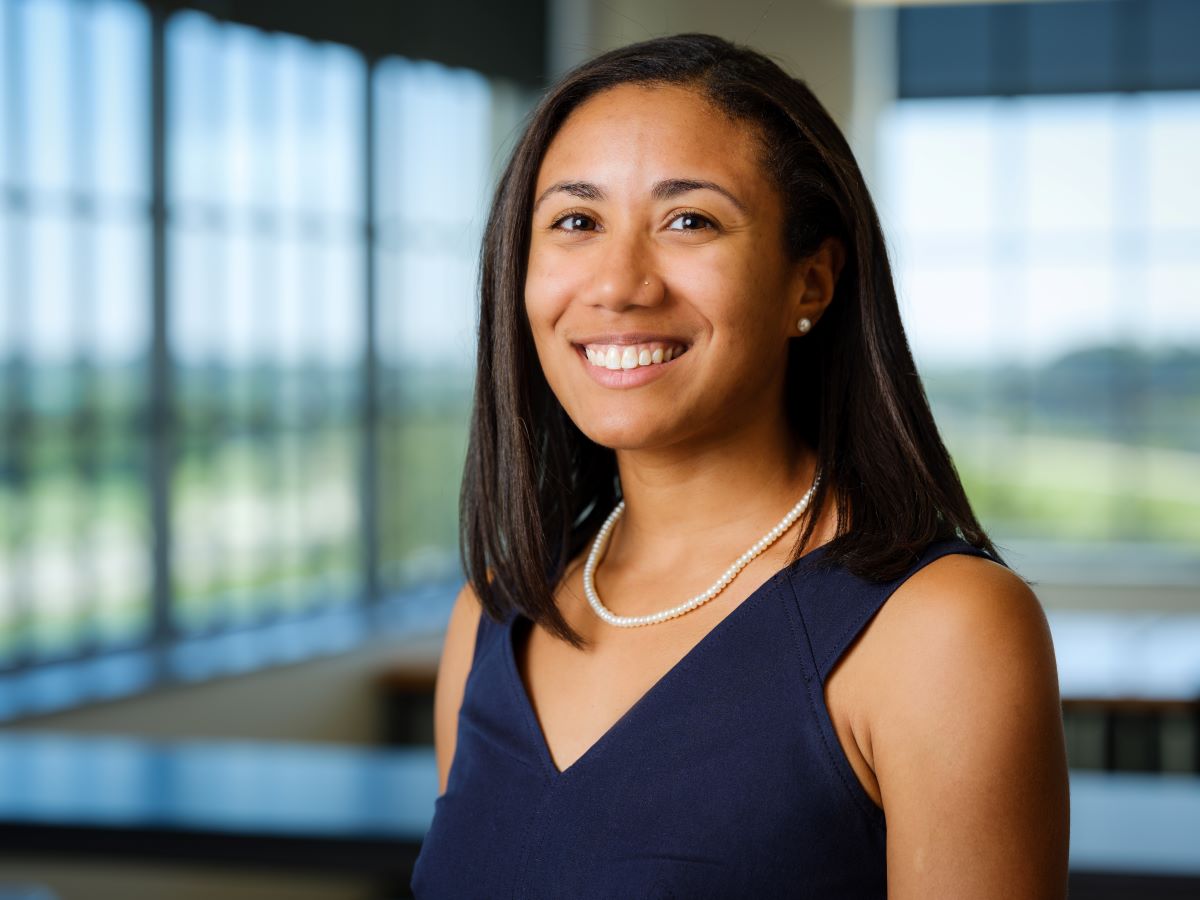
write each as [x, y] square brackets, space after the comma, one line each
[666, 189]
[672, 187]
[584, 190]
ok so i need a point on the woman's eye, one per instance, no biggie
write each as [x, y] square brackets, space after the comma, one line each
[690, 216]
[578, 222]
[572, 217]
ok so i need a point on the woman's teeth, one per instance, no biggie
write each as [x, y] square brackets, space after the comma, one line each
[630, 356]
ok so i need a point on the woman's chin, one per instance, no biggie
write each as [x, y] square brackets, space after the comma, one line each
[623, 432]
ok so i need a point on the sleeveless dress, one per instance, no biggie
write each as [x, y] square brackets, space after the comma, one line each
[725, 780]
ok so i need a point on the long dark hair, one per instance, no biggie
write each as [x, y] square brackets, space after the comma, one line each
[536, 489]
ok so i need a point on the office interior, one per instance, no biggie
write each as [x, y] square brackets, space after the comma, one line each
[238, 272]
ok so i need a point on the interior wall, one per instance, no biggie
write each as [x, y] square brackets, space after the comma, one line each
[811, 39]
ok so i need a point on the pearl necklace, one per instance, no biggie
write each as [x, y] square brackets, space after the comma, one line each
[601, 543]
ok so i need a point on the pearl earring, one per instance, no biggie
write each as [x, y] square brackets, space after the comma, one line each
[804, 325]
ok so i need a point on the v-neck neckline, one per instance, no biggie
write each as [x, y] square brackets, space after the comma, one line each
[597, 746]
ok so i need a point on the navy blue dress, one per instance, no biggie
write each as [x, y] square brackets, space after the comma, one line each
[725, 780]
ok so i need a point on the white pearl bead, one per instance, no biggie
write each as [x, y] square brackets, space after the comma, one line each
[600, 543]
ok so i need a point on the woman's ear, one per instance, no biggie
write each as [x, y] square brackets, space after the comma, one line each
[818, 281]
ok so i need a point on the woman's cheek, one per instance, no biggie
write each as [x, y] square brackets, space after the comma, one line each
[706, 282]
[546, 294]
[538, 305]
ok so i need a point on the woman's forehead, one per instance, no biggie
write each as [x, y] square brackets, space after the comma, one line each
[639, 135]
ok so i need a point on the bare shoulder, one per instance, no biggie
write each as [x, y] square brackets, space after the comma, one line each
[969, 602]
[458, 648]
[966, 736]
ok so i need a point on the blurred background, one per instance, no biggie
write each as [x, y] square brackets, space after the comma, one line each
[238, 263]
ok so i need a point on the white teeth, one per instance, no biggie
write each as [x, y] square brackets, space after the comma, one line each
[628, 356]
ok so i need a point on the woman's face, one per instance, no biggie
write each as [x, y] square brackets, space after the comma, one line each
[656, 235]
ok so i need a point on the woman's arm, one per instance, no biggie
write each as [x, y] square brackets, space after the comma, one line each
[458, 648]
[967, 738]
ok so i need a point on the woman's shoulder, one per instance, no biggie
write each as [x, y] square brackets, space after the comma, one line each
[964, 595]
[960, 623]
[961, 611]
[964, 712]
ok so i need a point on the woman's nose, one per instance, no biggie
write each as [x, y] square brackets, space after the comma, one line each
[624, 275]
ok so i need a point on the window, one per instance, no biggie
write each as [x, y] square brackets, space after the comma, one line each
[74, 327]
[235, 395]
[433, 199]
[266, 232]
[1041, 205]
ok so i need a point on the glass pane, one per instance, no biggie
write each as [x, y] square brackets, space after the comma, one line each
[74, 468]
[45, 101]
[9, 288]
[948, 312]
[320, 107]
[194, 334]
[248, 145]
[120, 330]
[432, 198]
[427, 346]
[1059, 346]
[266, 322]
[196, 119]
[56, 585]
[1172, 308]
[1173, 137]
[1071, 164]
[342, 103]
[121, 96]
[440, 180]
[9, 83]
[1069, 306]
[52, 319]
[939, 167]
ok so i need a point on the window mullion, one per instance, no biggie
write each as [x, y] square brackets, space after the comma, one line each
[159, 422]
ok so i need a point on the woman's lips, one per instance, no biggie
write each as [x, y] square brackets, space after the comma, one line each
[626, 378]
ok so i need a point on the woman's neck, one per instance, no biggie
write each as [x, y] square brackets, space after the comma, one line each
[688, 502]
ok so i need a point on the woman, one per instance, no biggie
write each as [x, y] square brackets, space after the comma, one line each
[700, 462]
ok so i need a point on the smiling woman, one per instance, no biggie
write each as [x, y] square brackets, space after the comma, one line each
[690, 348]
[713, 276]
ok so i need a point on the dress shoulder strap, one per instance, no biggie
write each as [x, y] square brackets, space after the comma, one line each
[835, 605]
[487, 633]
